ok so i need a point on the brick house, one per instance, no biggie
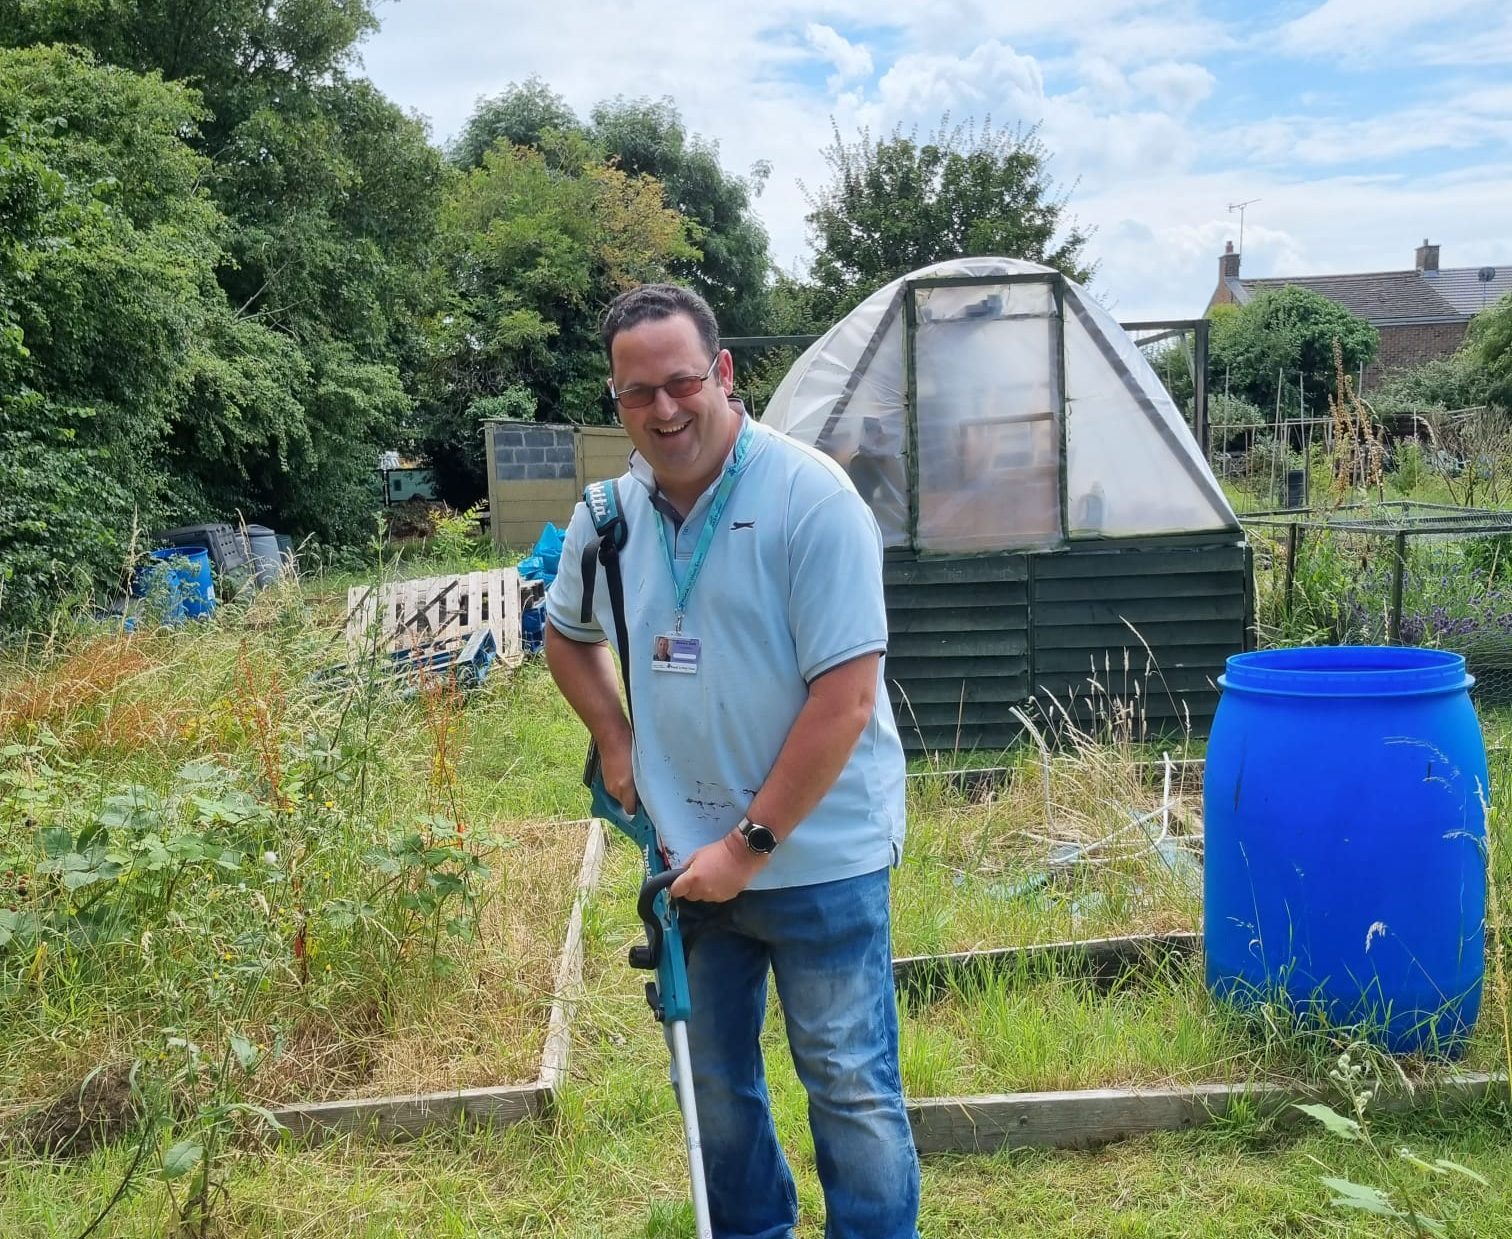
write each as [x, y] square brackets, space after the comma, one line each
[1421, 313]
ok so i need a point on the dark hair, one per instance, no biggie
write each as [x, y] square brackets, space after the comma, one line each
[652, 302]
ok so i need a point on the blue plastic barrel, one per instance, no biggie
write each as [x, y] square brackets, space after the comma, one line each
[1344, 858]
[180, 578]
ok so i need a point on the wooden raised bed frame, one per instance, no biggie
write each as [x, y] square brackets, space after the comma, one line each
[411, 1114]
[1072, 1118]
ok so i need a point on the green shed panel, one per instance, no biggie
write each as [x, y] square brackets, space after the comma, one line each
[1133, 629]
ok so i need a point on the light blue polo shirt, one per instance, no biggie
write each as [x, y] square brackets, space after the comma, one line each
[791, 586]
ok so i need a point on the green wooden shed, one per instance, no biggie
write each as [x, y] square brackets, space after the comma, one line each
[1054, 535]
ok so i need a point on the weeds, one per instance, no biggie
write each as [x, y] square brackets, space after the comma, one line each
[254, 905]
[1400, 1168]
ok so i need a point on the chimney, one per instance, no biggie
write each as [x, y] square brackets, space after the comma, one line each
[1228, 261]
[1427, 256]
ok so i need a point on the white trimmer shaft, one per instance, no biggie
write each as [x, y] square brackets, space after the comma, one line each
[682, 1065]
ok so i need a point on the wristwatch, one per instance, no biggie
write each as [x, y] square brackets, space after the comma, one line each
[758, 838]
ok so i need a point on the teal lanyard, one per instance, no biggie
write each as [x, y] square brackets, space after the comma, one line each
[710, 527]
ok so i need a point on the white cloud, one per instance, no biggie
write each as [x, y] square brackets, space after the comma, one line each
[1126, 91]
[992, 78]
[1461, 123]
[1348, 29]
[1103, 80]
[1486, 45]
[1175, 86]
[851, 60]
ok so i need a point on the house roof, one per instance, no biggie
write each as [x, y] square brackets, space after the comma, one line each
[1463, 288]
[1385, 297]
[1378, 296]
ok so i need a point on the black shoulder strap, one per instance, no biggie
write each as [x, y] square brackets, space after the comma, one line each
[603, 501]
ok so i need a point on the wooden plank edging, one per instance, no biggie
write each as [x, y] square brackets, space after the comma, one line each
[569, 974]
[1085, 1118]
[411, 1114]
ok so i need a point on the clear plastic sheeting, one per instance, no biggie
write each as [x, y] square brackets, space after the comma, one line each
[989, 434]
[989, 423]
[1133, 467]
[845, 397]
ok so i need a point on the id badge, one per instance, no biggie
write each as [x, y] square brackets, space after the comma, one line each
[678, 654]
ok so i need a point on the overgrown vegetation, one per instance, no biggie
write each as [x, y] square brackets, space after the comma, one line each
[1277, 351]
[232, 882]
[232, 272]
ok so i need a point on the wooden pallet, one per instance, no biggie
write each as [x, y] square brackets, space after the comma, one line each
[411, 614]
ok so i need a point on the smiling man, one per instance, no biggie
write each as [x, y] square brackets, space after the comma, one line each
[764, 748]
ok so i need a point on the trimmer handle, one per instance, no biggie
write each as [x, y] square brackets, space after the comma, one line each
[648, 954]
[663, 948]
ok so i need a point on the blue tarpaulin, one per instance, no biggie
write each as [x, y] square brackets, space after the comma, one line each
[540, 565]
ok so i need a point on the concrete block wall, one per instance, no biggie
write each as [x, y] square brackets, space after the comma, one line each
[523, 453]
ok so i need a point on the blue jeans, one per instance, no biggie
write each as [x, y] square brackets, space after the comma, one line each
[829, 949]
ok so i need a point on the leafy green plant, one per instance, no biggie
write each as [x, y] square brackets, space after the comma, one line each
[431, 885]
[456, 540]
[1401, 1170]
[1411, 467]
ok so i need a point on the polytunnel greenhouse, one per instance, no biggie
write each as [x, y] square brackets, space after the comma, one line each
[1054, 533]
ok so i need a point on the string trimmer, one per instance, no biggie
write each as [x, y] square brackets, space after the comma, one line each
[662, 953]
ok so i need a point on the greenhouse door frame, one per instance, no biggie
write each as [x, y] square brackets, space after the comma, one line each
[909, 292]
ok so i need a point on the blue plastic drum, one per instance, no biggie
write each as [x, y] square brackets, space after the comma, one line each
[1344, 862]
[179, 577]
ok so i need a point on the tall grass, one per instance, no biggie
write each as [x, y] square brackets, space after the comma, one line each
[222, 732]
[206, 843]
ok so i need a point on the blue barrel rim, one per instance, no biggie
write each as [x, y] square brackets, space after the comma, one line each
[179, 552]
[1346, 671]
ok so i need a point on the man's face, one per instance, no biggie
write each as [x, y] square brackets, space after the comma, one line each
[684, 441]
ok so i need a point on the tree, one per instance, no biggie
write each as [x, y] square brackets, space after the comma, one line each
[529, 253]
[1278, 349]
[893, 205]
[1488, 346]
[645, 137]
[522, 114]
[107, 251]
[328, 196]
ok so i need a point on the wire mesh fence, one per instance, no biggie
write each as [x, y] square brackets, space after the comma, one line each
[1407, 573]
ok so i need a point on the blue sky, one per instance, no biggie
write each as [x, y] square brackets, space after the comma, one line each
[1361, 126]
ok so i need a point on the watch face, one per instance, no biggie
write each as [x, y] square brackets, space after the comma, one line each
[759, 838]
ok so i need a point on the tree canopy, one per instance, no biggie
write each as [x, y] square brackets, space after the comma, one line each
[531, 247]
[523, 114]
[647, 138]
[327, 197]
[1278, 347]
[728, 263]
[1488, 346]
[232, 272]
[106, 277]
[895, 204]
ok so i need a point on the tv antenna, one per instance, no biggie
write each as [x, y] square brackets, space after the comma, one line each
[1239, 206]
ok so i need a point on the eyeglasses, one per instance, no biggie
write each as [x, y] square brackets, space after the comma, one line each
[680, 388]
